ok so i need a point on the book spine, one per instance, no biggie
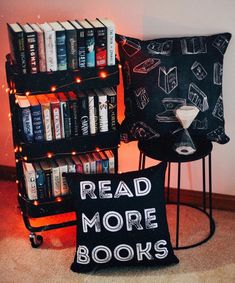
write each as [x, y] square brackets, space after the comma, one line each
[50, 48]
[63, 182]
[46, 115]
[61, 51]
[71, 46]
[48, 183]
[111, 164]
[40, 182]
[83, 116]
[103, 113]
[99, 166]
[105, 166]
[90, 47]
[74, 118]
[30, 184]
[26, 125]
[62, 107]
[55, 109]
[111, 45]
[37, 122]
[92, 167]
[31, 52]
[81, 49]
[92, 118]
[72, 168]
[112, 111]
[86, 168]
[101, 46]
[56, 182]
[67, 120]
[41, 52]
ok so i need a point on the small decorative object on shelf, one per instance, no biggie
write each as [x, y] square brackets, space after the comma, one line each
[63, 113]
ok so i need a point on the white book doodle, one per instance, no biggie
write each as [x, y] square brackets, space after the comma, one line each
[218, 135]
[199, 71]
[221, 43]
[194, 45]
[200, 124]
[218, 73]
[163, 48]
[167, 79]
[146, 66]
[198, 97]
[141, 130]
[130, 47]
[141, 97]
[218, 111]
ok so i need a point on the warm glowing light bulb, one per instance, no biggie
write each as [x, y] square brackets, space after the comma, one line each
[20, 149]
[49, 155]
[25, 158]
[17, 181]
[73, 152]
[7, 90]
[36, 202]
[119, 66]
[17, 160]
[97, 149]
[53, 88]
[27, 93]
[16, 149]
[16, 101]
[58, 199]
[78, 80]
[103, 75]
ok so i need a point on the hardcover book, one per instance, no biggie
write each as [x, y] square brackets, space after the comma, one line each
[55, 178]
[50, 47]
[110, 40]
[48, 177]
[40, 181]
[25, 119]
[60, 46]
[78, 164]
[98, 160]
[83, 114]
[105, 162]
[55, 115]
[112, 107]
[85, 164]
[92, 162]
[37, 121]
[109, 154]
[30, 181]
[63, 183]
[73, 105]
[93, 111]
[71, 165]
[17, 47]
[89, 43]
[71, 45]
[31, 49]
[102, 110]
[41, 47]
[46, 116]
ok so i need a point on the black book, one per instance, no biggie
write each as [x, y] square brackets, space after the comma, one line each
[112, 107]
[73, 106]
[17, 47]
[47, 171]
[31, 49]
[83, 114]
[40, 181]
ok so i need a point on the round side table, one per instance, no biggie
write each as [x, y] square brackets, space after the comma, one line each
[162, 150]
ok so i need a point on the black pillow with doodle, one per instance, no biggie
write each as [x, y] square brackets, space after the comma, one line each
[161, 75]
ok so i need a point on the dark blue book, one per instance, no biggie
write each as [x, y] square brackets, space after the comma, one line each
[40, 181]
[83, 114]
[25, 119]
[89, 43]
[37, 120]
[60, 46]
[105, 163]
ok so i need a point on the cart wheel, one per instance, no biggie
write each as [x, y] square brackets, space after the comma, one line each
[36, 240]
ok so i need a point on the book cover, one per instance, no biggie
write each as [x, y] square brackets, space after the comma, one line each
[25, 119]
[48, 179]
[55, 178]
[110, 40]
[85, 164]
[73, 106]
[31, 49]
[50, 47]
[112, 107]
[78, 164]
[109, 154]
[17, 47]
[46, 116]
[89, 43]
[63, 169]
[71, 45]
[100, 32]
[93, 111]
[41, 47]
[55, 115]
[37, 121]
[105, 162]
[81, 47]
[40, 181]
[71, 165]
[92, 162]
[60, 46]
[83, 114]
[30, 181]
[102, 110]
[65, 115]
[98, 160]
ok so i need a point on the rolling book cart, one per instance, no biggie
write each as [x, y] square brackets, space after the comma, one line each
[43, 83]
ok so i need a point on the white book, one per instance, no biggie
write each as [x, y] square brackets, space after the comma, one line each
[71, 165]
[102, 110]
[92, 115]
[50, 47]
[55, 178]
[92, 162]
[41, 47]
[111, 159]
[110, 40]
[63, 183]
[30, 181]
[85, 164]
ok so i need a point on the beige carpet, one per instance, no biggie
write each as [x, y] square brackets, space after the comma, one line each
[19, 263]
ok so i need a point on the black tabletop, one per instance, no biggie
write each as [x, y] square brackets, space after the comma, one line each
[163, 150]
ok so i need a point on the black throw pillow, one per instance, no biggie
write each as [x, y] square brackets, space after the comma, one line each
[121, 219]
[161, 75]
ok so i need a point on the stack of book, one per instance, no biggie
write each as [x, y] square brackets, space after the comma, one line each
[44, 180]
[54, 116]
[59, 46]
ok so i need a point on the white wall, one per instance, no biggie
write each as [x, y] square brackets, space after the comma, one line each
[144, 19]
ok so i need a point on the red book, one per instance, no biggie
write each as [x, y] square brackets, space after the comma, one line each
[55, 114]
